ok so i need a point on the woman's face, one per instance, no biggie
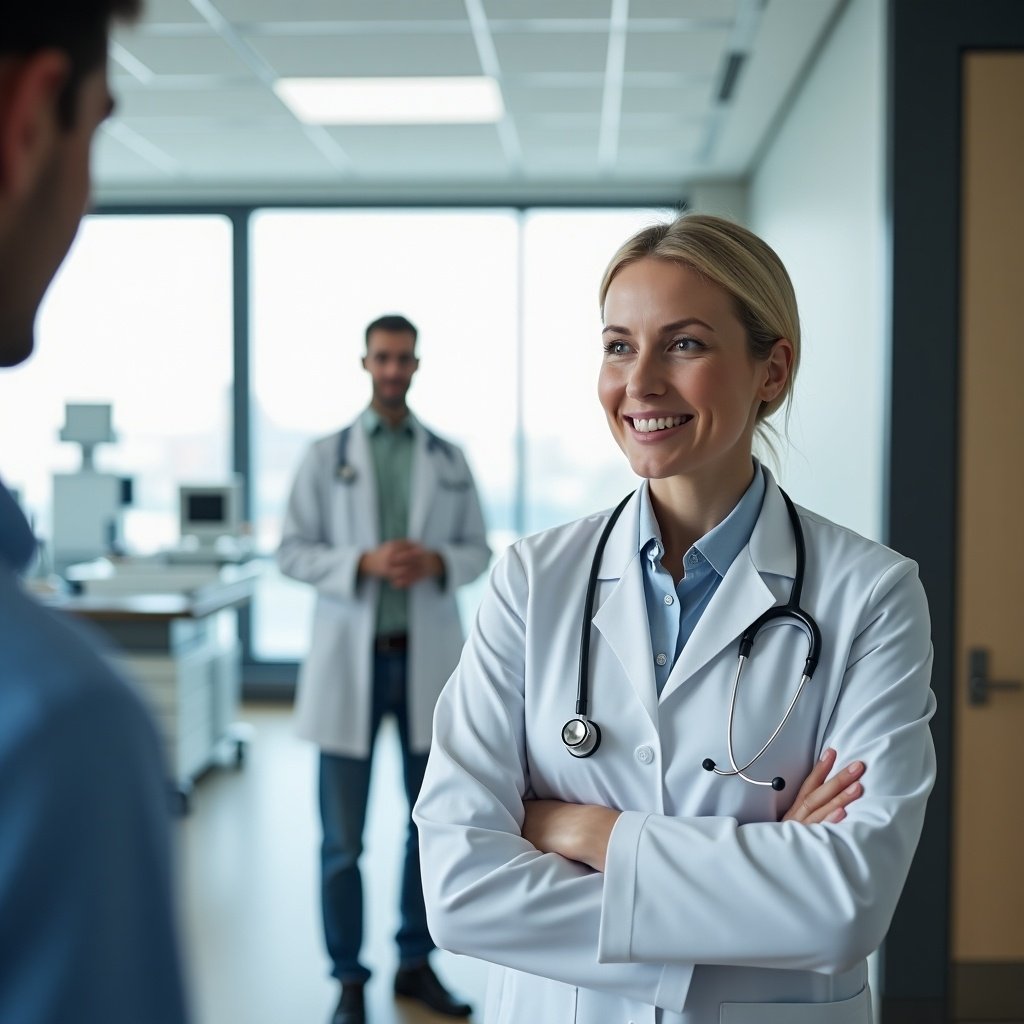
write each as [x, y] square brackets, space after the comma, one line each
[678, 383]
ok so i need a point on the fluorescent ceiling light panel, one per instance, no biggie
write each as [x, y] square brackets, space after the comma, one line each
[392, 100]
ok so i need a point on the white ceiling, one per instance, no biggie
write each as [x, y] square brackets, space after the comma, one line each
[603, 97]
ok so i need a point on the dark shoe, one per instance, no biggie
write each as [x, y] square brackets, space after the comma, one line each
[350, 1008]
[421, 983]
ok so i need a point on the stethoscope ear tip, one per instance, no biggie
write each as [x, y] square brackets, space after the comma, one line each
[708, 765]
[778, 784]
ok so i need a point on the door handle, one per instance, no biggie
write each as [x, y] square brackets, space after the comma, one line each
[978, 682]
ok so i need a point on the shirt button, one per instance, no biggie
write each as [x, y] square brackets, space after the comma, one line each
[644, 754]
[669, 599]
[662, 659]
[693, 559]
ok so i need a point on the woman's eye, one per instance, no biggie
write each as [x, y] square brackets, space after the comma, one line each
[687, 344]
[616, 348]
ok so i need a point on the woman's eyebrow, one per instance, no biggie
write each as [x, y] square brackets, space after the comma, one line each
[674, 326]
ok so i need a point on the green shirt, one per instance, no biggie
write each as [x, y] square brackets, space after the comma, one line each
[392, 449]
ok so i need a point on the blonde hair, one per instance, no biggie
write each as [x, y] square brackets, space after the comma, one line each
[744, 265]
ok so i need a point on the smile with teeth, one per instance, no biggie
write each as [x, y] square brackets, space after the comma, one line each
[648, 426]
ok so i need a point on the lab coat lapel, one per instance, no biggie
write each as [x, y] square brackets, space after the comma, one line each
[743, 594]
[622, 616]
[363, 493]
[423, 483]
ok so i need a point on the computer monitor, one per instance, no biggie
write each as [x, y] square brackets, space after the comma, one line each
[88, 423]
[210, 511]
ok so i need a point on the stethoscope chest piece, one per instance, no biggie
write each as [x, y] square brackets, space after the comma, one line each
[345, 473]
[581, 736]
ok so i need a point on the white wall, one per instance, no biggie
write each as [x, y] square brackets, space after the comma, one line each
[817, 197]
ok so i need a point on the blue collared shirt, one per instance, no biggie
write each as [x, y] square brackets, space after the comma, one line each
[87, 922]
[674, 611]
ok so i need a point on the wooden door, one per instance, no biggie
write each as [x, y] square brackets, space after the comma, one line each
[988, 822]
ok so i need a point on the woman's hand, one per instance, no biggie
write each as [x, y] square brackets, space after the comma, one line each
[578, 832]
[819, 800]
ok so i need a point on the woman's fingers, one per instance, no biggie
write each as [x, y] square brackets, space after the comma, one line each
[821, 799]
[816, 778]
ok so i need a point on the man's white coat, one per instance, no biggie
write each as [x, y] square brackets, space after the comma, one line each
[329, 523]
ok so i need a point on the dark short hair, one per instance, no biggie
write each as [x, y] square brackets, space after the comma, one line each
[392, 322]
[79, 28]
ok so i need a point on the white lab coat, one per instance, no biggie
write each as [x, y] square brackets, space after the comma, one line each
[709, 909]
[328, 525]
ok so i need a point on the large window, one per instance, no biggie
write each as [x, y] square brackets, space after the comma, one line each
[506, 304]
[318, 278]
[140, 316]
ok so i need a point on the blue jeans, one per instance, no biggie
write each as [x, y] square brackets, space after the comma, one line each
[344, 786]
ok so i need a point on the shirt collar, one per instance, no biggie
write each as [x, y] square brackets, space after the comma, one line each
[720, 545]
[17, 545]
[373, 422]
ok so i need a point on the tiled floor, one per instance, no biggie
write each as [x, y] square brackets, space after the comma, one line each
[250, 913]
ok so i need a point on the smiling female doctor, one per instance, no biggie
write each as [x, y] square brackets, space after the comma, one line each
[637, 884]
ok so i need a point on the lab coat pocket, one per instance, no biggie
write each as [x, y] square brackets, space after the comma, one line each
[847, 1011]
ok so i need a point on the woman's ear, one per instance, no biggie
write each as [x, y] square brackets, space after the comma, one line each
[777, 369]
[30, 89]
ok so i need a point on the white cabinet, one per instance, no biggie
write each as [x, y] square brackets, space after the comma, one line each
[193, 690]
[182, 651]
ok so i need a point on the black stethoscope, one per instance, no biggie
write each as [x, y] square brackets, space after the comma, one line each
[582, 736]
[346, 472]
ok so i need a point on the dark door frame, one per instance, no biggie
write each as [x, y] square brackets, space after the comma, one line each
[926, 42]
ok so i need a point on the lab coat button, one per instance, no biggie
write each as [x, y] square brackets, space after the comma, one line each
[644, 754]
[661, 659]
[669, 599]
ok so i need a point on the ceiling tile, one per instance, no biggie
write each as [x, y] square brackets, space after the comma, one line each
[251, 11]
[454, 151]
[538, 138]
[244, 154]
[375, 55]
[561, 165]
[520, 52]
[112, 161]
[656, 151]
[698, 53]
[554, 9]
[646, 132]
[169, 12]
[666, 128]
[546, 99]
[230, 102]
[688, 98]
[205, 54]
[702, 9]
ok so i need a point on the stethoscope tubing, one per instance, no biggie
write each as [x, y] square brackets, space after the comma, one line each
[582, 737]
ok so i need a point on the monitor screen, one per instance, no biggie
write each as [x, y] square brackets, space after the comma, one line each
[210, 511]
[206, 508]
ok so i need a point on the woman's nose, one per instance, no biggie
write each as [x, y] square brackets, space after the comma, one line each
[646, 377]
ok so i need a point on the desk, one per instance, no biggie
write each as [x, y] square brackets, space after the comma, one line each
[183, 652]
